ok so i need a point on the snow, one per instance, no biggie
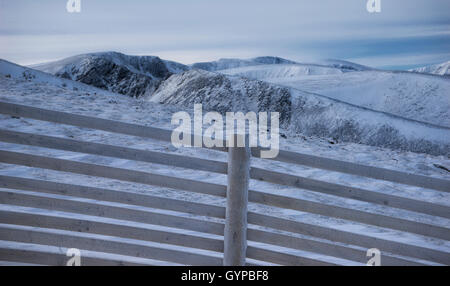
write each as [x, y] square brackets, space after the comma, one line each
[282, 71]
[344, 65]
[313, 114]
[223, 64]
[412, 96]
[46, 91]
[130, 75]
[136, 64]
[438, 69]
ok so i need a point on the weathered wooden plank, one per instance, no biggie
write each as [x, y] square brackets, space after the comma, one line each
[361, 170]
[326, 248]
[112, 173]
[33, 217]
[141, 177]
[106, 244]
[354, 215]
[220, 167]
[74, 205]
[284, 258]
[91, 122]
[112, 151]
[350, 238]
[349, 192]
[45, 220]
[52, 255]
[109, 195]
[89, 225]
[284, 156]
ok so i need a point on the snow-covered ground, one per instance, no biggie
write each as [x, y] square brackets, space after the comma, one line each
[303, 112]
[414, 96]
[28, 87]
[438, 69]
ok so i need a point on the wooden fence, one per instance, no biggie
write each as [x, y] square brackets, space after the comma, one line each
[40, 219]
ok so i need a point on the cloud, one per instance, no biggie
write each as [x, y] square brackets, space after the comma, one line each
[31, 31]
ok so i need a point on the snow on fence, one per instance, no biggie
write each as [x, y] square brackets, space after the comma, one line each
[36, 225]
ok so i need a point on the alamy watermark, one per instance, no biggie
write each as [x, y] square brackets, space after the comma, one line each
[73, 6]
[375, 257]
[75, 257]
[373, 6]
[235, 125]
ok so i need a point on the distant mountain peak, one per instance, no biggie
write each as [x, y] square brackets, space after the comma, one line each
[117, 72]
[437, 69]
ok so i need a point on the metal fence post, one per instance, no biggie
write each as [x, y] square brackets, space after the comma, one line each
[235, 237]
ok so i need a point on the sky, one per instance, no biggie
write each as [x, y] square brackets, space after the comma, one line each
[405, 34]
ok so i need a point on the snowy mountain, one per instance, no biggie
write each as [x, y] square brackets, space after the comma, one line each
[223, 64]
[281, 71]
[307, 106]
[413, 96]
[438, 69]
[307, 113]
[345, 66]
[129, 75]
[221, 93]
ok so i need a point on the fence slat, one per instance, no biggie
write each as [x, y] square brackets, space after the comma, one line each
[52, 255]
[81, 206]
[109, 195]
[165, 135]
[112, 151]
[362, 170]
[116, 228]
[92, 123]
[348, 192]
[91, 225]
[52, 221]
[148, 178]
[355, 215]
[326, 248]
[349, 238]
[220, 167]
[112, 173]
[53, 196]
[70, 239]
[284, 258]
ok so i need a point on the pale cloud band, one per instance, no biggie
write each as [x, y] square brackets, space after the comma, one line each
[200, 30]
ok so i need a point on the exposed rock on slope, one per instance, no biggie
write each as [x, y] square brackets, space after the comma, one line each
[302, 112]
[414, 96]
[439, 69]
[222, 93]
[130, 75]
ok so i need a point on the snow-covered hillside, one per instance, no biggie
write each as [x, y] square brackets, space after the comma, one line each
[281, 71]
[24, 86]
[308, 113]
[223, 64]
[413, 96]
[345, 66]
[221, 93]
[438, 69]
[130, 75]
